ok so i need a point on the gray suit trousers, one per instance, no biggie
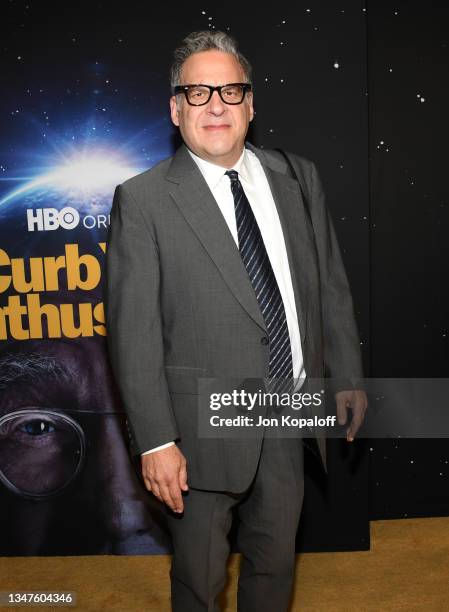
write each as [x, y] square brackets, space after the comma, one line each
[268, 513]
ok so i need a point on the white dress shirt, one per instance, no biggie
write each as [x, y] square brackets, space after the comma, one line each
[257, 189]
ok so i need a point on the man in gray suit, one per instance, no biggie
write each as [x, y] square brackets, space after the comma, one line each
[214, 269]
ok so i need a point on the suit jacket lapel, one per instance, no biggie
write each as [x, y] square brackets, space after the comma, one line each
[196, 202]
[290, 206]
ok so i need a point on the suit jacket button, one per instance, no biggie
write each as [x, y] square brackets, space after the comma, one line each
[264, 340]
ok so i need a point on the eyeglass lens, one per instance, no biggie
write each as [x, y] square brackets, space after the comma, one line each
[231, 94]
[40, 452]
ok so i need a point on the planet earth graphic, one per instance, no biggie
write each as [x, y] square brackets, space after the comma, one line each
[86, 185]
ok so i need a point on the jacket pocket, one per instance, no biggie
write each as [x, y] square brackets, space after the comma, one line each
[183, 379]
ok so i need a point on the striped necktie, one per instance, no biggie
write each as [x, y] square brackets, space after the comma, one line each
[257, 263]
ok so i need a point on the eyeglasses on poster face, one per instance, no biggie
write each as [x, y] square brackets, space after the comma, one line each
[41, 452]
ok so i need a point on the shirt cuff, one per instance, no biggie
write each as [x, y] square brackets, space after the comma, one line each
[158, 448]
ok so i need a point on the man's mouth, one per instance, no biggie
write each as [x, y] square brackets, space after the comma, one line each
[213, 128]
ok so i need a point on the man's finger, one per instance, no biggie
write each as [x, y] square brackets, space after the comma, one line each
[167, 497]
[156, 491]
[352, 430]
[358, 414]
[175, 492]
[183, 478]
[342, 411]
[147, 483]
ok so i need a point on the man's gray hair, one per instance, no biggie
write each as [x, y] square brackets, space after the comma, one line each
[206, 40]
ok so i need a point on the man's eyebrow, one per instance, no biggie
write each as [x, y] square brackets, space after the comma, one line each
[31, 368]
[35, 379]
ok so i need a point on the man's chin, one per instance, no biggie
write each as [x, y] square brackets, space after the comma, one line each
[136, 544]
[221, 154]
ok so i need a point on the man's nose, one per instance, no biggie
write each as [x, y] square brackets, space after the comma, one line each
[216, 104]
[131, 520]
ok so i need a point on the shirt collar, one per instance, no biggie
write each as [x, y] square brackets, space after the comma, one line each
[213, 173]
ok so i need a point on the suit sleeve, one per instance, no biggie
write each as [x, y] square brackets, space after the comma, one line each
[341, 340]
[134, 324]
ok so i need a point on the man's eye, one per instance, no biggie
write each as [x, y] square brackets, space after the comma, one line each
[37, 428]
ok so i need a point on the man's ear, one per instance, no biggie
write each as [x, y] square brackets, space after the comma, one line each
[174, 111]
[251, 107]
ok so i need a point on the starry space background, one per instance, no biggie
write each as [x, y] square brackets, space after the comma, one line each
[408, 61]
[358, 87]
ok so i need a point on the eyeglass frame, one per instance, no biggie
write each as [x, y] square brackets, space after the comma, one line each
[82, 454]
[184, 89]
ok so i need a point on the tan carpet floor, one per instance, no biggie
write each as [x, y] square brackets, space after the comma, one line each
[406, 569]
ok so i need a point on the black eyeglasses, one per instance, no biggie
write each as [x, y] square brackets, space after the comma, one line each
[198, 95]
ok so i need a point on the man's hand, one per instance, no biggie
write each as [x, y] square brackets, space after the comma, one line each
[164, 473]
[358, 402]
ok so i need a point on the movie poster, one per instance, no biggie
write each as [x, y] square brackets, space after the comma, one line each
[67, 483]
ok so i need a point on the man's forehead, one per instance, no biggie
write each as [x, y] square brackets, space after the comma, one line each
[212, 67]
[71, 374]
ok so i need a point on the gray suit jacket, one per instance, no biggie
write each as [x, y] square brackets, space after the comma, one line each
[180, 305]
